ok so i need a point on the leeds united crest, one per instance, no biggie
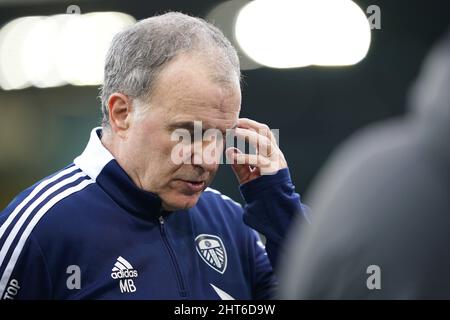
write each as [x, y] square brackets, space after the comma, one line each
[212, 251]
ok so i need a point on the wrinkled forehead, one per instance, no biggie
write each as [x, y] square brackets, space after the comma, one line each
[213, 107]
[188, 90]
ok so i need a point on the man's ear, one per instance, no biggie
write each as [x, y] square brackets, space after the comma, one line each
[120, 111]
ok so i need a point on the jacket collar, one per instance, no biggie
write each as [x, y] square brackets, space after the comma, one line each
[99, 164]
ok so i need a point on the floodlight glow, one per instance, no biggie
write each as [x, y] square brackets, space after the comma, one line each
[56, 50]
[84, 42]
[298, 33]
[12, 35]
[40, 52]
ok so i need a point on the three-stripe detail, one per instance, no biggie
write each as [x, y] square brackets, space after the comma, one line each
[47, 199]
[121, 264]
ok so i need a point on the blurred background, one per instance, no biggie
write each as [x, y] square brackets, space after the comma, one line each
[50, 72]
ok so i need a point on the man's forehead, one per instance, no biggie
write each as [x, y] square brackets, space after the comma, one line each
[188, 94]
[210, 102]
[189, 79]
[209, 105]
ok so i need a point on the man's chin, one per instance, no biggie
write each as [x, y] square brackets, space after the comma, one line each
[182, 202]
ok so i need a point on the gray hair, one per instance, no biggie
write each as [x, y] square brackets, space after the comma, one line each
[138, 54]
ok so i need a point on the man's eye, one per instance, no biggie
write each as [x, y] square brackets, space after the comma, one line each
[205, 135]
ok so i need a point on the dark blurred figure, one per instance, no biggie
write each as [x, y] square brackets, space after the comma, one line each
[381, 207]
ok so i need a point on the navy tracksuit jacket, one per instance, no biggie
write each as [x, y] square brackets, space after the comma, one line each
[87, 232]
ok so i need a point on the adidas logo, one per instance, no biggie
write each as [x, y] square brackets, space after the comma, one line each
[123, 269]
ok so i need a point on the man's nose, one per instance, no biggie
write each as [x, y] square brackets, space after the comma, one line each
[206, 154]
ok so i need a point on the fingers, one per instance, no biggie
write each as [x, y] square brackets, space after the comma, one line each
[261, 143]
[268, 160]
[261, 128]
[240, 158]
[241, 171]
[254, 160]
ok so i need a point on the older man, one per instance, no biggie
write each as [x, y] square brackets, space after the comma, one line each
[127, 221]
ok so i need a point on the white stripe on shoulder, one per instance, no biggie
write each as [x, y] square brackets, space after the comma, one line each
[35, 191]
[18, 225]
[208, 189]
[16, 253]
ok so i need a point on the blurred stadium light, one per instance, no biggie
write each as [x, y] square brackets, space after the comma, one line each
[298, 33]
[224, 16]
[49, 51]
[56, 50]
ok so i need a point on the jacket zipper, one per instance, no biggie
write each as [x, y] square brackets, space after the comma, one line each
[181, 286]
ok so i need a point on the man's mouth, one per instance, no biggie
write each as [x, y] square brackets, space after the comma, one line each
[193, 186]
